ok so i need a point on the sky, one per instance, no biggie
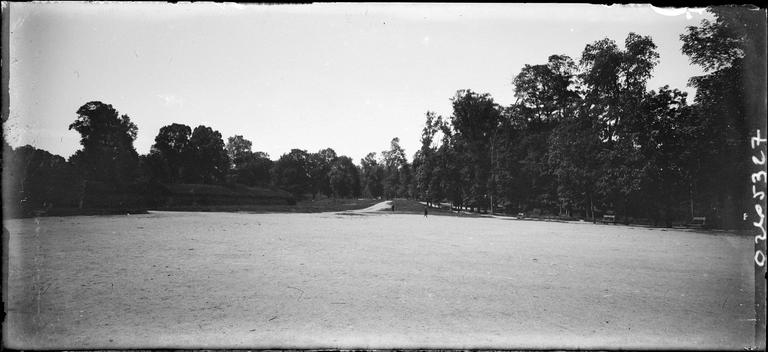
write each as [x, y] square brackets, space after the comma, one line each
[346, 76]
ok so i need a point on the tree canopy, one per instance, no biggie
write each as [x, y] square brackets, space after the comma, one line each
[585, 137]
[107, 138]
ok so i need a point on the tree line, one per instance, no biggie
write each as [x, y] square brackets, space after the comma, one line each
[109, 163]
[585, 137]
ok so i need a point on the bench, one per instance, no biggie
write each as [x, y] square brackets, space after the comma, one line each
[608, 219]
[698, 221]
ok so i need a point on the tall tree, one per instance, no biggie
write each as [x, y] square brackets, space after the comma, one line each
[731, 49]
[238, 150]
[291, 172]
[247, 167]
[546, 91]
[424, 161]
[546, 95]
[319, 169]
[615, 85]
[393, 160]
[475, 120]
[731, 100]
[256, 171]
[170, 155]
[574, 159]
[447, 178]
[665, 137]
[107, 138]
[344, 178]
[614, 81]
[372, 176]
[36, 179]
[406, 184]
[209, 160]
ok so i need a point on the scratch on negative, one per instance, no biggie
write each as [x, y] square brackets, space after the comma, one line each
[301, 292]
[46, 290]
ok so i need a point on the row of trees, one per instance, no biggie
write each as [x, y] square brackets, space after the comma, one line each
[181, 154]
[586, 137]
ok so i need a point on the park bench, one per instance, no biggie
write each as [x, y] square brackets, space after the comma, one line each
[608, 219]
[698, 222]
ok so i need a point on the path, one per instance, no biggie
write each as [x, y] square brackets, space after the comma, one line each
[373, 208]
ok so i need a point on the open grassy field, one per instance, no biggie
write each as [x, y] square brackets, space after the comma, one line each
[370, 279]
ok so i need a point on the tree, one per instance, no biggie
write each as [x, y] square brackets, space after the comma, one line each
[665, 138]
[545, 91]
[253, 170]
[247, 167]
[319, 168]
[238, 150]
[372, 176]
[424, 161]
[406, 185]
[731, 103]
[170, 157]
[447, 180]
[723, 43]
[546, 96]
[475, 120]
[614, 81]
[615, 85]
[514, 160]
[107, 138]
[256, 171]
[291, 172]
[344, 178]
[36, 179]
[573, 158]
[393, 160]
[732, 52]
[209, 160]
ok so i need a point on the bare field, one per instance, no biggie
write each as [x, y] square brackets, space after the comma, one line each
[365, 280]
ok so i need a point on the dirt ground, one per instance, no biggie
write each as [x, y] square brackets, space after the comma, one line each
[371, 279]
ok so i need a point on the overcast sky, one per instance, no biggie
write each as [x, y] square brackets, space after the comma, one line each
[346, 76]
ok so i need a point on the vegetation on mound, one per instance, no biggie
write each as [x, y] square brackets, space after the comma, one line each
[306, 206]
[407, 206]
[181, 195]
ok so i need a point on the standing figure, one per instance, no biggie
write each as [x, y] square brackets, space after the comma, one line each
[425, 211]
[393, 207]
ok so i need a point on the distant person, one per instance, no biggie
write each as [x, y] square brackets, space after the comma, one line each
[425, 211]
[393, 207]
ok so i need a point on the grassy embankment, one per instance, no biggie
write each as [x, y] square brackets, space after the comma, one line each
[304, 206]
[407, 206]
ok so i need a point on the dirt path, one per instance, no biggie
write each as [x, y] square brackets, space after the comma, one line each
[374, 208]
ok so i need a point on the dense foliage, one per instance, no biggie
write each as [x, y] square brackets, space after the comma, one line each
[591, 139]
[585, 137]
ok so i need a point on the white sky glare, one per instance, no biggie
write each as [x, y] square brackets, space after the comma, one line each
[345, 76]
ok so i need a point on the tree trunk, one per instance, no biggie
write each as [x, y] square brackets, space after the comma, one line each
[626, 212]
[491, 203]
[690, 196]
